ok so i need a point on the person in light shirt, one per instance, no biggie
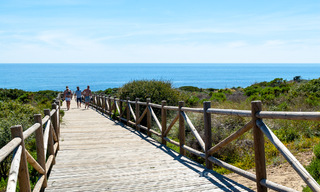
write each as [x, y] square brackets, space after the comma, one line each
[77, 96]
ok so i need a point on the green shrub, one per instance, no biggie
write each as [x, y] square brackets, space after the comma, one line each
[314, 167]
[10, 94]
[189, 88]
[287, 134]
[192, 101]
[216, 96]
[155, 89]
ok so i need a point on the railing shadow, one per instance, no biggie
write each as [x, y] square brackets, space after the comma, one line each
[210, 175]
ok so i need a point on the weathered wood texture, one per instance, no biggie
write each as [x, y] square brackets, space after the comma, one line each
[97, 154]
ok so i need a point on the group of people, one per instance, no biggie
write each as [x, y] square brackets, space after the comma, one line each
[67, 95]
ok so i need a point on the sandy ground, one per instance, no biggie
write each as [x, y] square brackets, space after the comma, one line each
[282, 174]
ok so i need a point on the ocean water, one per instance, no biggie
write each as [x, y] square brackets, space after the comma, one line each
[35, 77]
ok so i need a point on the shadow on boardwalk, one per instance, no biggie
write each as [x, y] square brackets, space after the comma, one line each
[225, 183]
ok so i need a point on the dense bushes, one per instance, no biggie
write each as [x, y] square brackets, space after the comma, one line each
[267, 91]
[155, 89]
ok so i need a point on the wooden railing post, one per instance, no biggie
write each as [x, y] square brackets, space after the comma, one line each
[163, 122]
[137, 113]
[148, 117]
[258, 147]
[121, 110]
[58, 117]
[23, 177]
[41, 159]
[105, 104]
[110, 107]
[181, 129]
[115, 107]
[207, 132]
[99, 102]
[50, 139]
[128, 110]
[102, 103]
[54, 119]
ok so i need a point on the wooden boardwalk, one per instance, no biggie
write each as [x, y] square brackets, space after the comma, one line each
[98, 154]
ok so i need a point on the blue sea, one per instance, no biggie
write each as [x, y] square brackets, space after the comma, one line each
[35, 77]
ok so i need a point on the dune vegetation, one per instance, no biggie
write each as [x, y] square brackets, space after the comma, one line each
[277, 95]
[17, 107]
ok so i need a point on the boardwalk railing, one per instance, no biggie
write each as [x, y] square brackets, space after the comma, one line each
[114, 107]
[47, 132]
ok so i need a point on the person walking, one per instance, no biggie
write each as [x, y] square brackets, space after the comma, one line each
[77, 95]
[67, 95]
[87, 96]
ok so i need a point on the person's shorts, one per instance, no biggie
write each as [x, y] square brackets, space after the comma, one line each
[87, 99]
[68, 99]
[79, 100]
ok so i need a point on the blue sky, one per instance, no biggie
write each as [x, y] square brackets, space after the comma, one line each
[166, 31]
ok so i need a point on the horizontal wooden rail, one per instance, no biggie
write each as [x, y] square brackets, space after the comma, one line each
[31, 130]
[174, 108]
[241, 113]
[314, 116]
[188, 109]
[6, 150]
[155, 105]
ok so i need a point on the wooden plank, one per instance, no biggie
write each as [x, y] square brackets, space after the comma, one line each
[163, 121]
[182, 133]
[132, 112]
[259, 154]
[171, 125]
[45, 119]
[31, 130]
[148, 118]
[241, 113]
[155, 105]
[194, 131]
[232, 168]
[231, 137]
[174, 108]
[41, 158]
[23, 176]
[275, 186]
[142, 116]
[207, 132]
[195, 110]
[46, 137]
[155, 118]
[34, 163]
[14, 170]
[9, 147]
[311, 116]
[137, 111]
[39, 184]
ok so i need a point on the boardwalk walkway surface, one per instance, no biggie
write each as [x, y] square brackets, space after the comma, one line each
[98, 154]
